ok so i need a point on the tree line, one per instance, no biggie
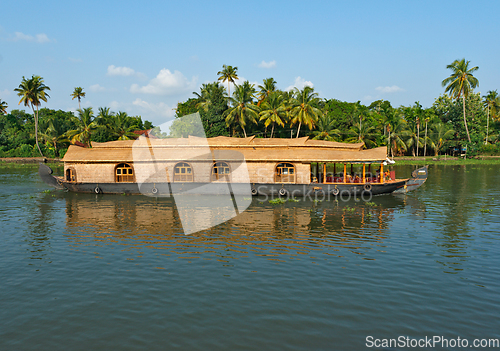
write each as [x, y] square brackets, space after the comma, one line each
[20, 132]
[459, 118]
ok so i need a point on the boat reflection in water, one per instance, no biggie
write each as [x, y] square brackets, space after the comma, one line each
[280, 232]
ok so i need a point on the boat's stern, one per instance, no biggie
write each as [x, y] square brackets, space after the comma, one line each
[418, 177]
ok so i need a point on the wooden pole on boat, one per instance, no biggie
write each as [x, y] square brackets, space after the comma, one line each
[345, 170]
[364, 173]
[382, 173]
[324, 173]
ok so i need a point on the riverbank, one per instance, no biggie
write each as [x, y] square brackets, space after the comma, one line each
[446, 160]
[29, 160]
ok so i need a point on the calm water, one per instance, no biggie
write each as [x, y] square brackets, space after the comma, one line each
[102, 272]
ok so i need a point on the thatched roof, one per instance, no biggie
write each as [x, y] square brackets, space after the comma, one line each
[225, 148]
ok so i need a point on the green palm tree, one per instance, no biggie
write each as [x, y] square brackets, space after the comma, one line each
[492, 103]
[417, 111]
[363, 133]
[243, 109]
[3, 107]
[413, 140]
[78, 93]
[303, 110]
[324, 129]
[85, 126]
[32, 92]
[439, 134]
[267, 88]
[122, 126]
[228, 74]
[396, 134]
[104, 116]
[207, 91]
[358, 113]
[428, 114]
[461, 83]
[54, 136]
[273, 111]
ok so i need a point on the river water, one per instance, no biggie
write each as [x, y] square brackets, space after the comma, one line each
[103, 272]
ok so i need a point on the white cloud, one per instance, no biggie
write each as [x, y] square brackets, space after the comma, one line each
[300, 83]
[42, 38]
[114, 105]
[159, 109]
[392, 89]
[270, 64]
[21, 36]
[38, 38]
[96, 88]
[166, 83]
[76, 60]
[120, 71]
[4, 93]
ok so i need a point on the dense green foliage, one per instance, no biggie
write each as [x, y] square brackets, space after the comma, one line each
[455, 122]
[56, 128]
[462, 120]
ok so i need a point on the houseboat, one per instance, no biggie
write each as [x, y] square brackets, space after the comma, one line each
[272, 167]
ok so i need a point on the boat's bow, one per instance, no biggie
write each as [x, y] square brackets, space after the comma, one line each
[418, 177]
[45, 173]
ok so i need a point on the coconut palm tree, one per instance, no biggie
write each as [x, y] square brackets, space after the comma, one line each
[324, 129]
[492, 103]
[32, 92]
[85, 126]
[358, 113]
[207, 92]
[78, 93]
[54, 136]
[104, 116]
[273, 110]
[461, 83]
[243, 109]
[427, 118]
[417, 112]
[122, 126]
[303, 110]
[3, 107]
[440, 133]
[396, 134]
[363, 133]
[228, 74]
[266, 89]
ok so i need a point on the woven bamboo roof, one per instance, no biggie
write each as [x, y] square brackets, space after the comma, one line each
[224, 148]
[224, 142]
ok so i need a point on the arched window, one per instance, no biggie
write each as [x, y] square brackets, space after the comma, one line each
[70, 175]
[285, 173]
[183, 172]
[124, 173]
[220, 172]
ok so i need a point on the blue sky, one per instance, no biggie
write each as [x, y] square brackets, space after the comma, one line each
[144, 58]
